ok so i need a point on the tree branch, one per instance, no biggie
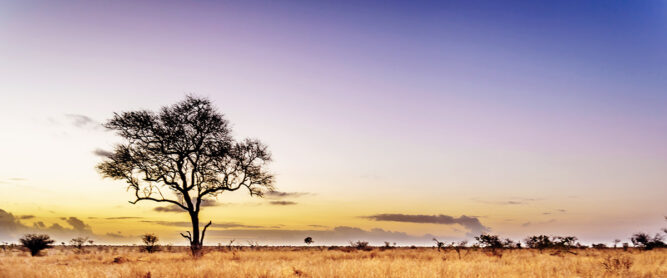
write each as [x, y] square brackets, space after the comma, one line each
[188, 236]
[204, 233]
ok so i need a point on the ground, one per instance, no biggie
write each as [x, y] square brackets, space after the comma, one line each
[112, 261]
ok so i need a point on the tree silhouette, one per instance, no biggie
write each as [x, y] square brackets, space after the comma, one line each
[36, 243]
[150, 243]
[78, 243]
[308, 240]
[182, 155]
[644, 241]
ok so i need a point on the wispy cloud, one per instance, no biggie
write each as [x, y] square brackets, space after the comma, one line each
[338, 235]
[83, 121]
[102, 153]
[510, 201]
[123, 217]
[185, 224]
[281, 194]
[472, 224]
[175, 208]
[282, 203]
[526, 224]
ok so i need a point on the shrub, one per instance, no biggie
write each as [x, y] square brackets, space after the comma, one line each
[439, 244]
[489, 241]
[78, 242]
[565, 242]
[599, 246]
[150, 243]
[644, 241]
[360, 245]
[308, 240]
[36, 243]
[538, 242]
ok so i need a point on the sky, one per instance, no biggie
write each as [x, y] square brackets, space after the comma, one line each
[387, 121]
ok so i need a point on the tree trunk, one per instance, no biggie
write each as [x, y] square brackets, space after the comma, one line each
[195, 243]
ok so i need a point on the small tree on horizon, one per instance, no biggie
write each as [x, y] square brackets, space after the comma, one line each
[150, 243]
[78, 242]
[308, 240]
[36, 243]
[183, 155]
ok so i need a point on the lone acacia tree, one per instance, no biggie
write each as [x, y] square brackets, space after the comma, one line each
[183, 155]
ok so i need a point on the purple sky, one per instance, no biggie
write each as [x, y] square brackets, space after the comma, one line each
[427, 108]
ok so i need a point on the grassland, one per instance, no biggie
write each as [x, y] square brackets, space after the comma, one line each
[341, 262]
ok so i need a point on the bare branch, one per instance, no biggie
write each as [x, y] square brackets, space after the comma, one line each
[203, 233]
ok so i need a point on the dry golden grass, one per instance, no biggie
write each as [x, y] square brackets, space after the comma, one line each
[313, 262]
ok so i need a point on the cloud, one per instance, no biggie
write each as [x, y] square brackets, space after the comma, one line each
[169, 208]
[282, 203]
[120, 236]
[512, 201]
[9, 223]
[526, 224]
[175, 208]
[280, 194]
[78, 225]
[11, 228]
[340, 235]
[83, 121]
[117, 235]
[102, 153]
[472, 224]
[123, 217]
[224, 225]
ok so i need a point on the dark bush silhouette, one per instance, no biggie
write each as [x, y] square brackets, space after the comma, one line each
[308, 240]
[616, 241]
[459, 246]
[564, 242]
[489, 241]
[540, 242]
[150, 243]
[36, 243]
[186, 151]
[78, 243]
[388, 245]
[599, 246]
[646, 242]
[439, 244]
[360, 245]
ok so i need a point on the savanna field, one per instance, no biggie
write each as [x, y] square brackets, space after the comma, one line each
[337, 262]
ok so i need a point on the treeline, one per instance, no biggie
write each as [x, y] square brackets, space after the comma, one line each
[35, 243]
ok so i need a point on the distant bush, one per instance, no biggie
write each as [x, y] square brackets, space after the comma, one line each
[388, 245]
[78, 243]
[308, 240]
[439, 244]
[360, 245]
[489, 241]
[599, 246]
[36, 243]
[646, 242]
[564, 242]
[150, 243]
[558, 242]
[538, 242]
